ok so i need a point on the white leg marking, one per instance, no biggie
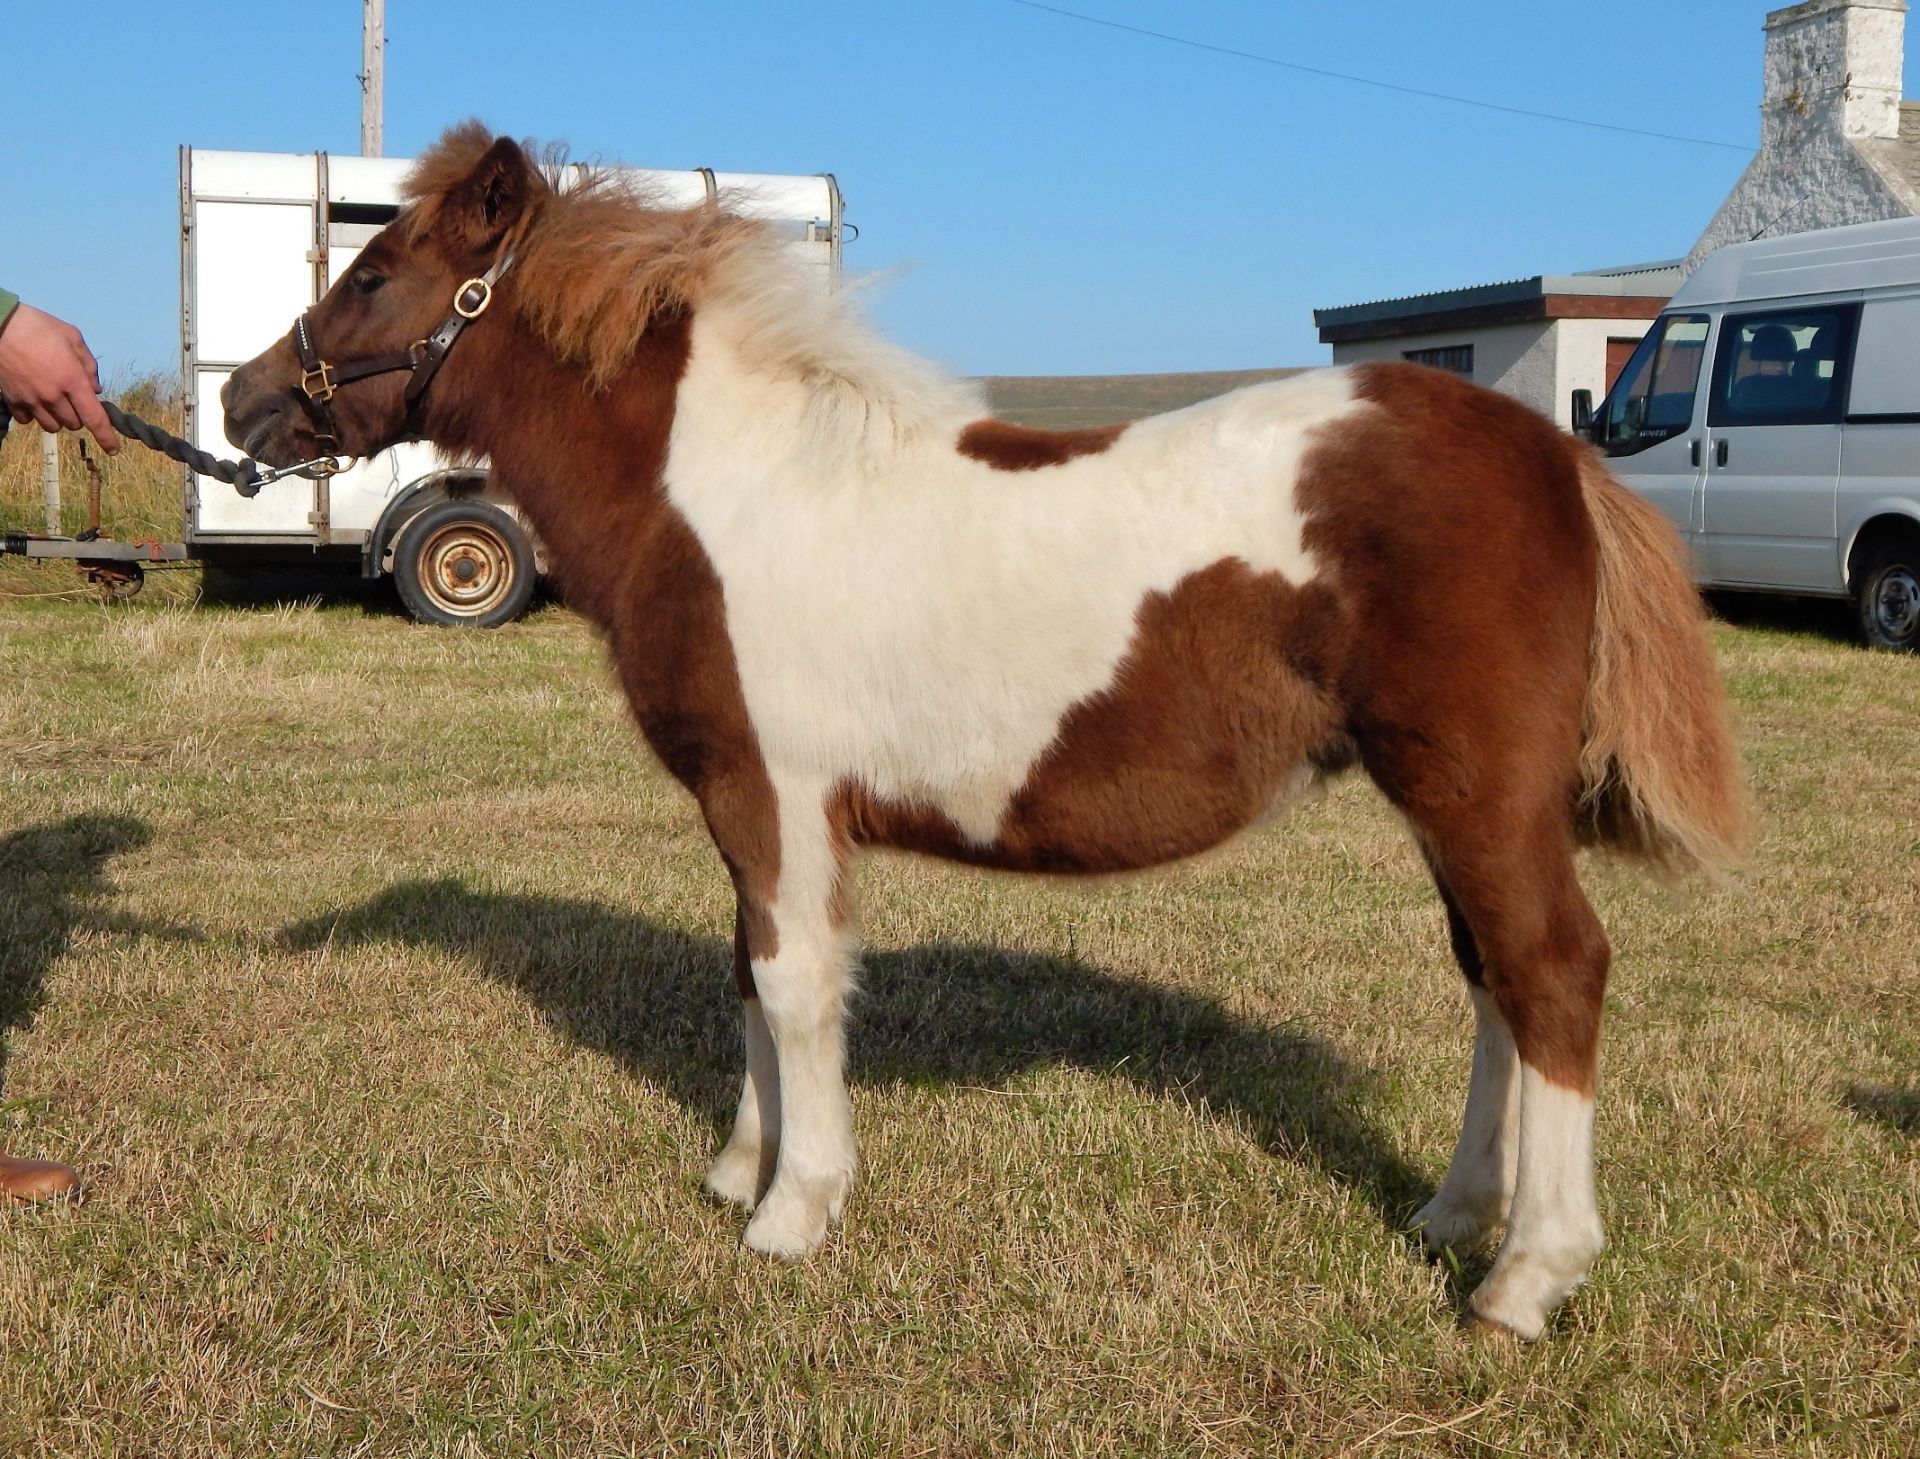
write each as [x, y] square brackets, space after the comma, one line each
[1478, 1190]
[742, 1170]
[803, 992]
[1553, 1232]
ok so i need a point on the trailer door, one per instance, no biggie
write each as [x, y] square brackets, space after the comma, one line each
[249, 236]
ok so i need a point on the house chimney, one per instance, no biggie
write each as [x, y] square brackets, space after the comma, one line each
[1833, 66]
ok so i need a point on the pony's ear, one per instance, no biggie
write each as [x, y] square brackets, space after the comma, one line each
[490, 199]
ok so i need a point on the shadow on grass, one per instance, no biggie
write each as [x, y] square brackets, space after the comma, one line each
[52, 880]
[239, 584]
[661, 1002]
[1825, 618]
[1898, 1109]
[235, 583]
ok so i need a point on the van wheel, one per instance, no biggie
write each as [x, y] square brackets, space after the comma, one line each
[1889, 600]
[464, 564]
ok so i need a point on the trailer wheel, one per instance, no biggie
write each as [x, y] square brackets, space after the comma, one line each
[464, 564]
[1889, 598]
[114, 582]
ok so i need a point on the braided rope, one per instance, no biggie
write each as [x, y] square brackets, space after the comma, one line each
[242, 475]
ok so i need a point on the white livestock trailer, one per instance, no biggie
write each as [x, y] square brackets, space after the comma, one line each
[262, 236]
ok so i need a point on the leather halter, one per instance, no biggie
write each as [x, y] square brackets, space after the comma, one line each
[422, 359]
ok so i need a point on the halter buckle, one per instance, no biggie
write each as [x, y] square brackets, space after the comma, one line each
[479, 305]
[323, 372]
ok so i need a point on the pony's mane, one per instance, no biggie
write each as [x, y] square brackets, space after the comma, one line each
[598, 258]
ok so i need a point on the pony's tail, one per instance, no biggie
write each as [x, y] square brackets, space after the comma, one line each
[1659, 777]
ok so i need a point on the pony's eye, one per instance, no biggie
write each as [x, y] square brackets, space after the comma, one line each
[366, 281]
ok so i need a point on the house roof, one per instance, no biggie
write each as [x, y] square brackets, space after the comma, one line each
[1630, 291]
[1896, 160]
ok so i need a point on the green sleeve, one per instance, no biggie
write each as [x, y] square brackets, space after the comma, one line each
[8, 303]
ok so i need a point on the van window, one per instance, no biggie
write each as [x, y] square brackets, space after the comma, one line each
[1653, 398]
[1886, 362]
[1784, 367]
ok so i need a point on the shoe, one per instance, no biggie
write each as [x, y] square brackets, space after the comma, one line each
[36, 1180]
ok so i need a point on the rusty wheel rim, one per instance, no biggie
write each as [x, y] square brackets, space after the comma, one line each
[467, 568]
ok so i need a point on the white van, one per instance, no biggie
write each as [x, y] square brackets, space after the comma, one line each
[1773, 413]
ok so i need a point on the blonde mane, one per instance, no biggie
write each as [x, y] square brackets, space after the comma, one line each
[598, 258]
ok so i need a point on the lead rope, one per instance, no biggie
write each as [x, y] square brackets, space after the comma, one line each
[244, 476]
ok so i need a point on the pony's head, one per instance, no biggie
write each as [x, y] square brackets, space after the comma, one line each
[469, 196]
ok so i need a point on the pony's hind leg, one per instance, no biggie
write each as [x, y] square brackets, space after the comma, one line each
[743, 1169]
[1542, 960]
[1474, 1199]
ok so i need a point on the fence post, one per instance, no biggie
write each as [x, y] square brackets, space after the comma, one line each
[50, 478]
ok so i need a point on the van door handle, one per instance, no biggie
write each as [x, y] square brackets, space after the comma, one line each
[1720, 452]
[1693, 453]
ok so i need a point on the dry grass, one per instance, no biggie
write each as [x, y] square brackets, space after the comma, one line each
[378, 986]
[140, 491]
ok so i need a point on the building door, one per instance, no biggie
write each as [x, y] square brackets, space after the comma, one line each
[1619, 351]
[1773, 427]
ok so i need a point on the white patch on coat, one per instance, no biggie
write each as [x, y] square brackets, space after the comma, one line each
[921, 622]
[1478, 1189]
[1553, 1229]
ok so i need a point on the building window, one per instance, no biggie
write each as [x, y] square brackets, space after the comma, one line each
[1455, 357]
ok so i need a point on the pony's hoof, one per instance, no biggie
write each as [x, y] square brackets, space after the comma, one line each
[793, 1219]
[734, 1178]
[1462, 1228]
[36, 1180]
[786, 1234]
[1486, 1332]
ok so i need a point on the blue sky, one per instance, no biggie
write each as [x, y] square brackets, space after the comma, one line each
[1048, 196]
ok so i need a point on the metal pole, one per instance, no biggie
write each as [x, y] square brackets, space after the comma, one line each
[50, 478]
[373, 66]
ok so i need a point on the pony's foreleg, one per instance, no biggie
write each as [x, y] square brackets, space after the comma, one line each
[743, 1169]
[801, 968]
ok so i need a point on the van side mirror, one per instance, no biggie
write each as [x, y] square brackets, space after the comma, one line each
[1583, 412]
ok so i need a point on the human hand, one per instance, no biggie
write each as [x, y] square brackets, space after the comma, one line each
[49, 376]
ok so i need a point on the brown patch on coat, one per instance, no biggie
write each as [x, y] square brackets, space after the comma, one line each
[1008, 447]
[1461, 556]
[1550, 682]
[625, 557]
[1208, 718]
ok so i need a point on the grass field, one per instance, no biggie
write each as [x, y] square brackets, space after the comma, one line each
[379, 987]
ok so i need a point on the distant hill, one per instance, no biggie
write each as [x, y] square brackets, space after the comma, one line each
[1092, 400]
